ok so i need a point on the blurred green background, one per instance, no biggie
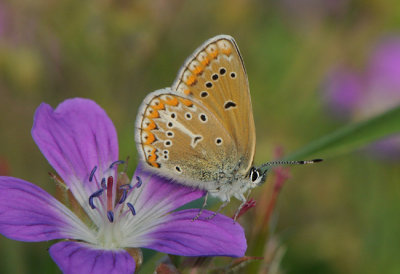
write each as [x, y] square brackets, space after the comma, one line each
[341, 216]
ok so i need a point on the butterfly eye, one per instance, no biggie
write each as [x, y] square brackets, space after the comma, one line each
[254, 175]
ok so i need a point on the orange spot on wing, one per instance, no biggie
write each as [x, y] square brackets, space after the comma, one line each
[154, 114]
[172, 102]
[205, 61]
[154, 164]
[150, 138]
[198, 70]
[159, 106]
[191, 80]
[226, 51]
[152, 156]
[186, 102]
[151, 126]
[213, 54]
[187, 91]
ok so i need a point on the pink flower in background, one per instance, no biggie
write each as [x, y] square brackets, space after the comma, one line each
[352, 95]
[80, 142]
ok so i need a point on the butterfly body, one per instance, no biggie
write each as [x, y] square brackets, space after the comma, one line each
[200, 132]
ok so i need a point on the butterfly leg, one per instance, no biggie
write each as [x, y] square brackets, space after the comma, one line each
[202, 208]
[219, 210]
[243, 200]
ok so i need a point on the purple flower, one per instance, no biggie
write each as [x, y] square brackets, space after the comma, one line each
[343, 92]
[359, 95]
[80, 142]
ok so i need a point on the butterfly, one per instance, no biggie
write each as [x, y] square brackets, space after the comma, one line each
[200, 132]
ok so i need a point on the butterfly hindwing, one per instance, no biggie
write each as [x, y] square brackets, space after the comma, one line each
[177, 135]
[215, 76]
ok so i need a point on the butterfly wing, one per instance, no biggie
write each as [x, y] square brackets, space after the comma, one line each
[215, 76]
[176, 136]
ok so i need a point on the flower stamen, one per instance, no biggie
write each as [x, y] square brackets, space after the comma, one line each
[110, 216]
[92, 173]
[95, 195]
[131, 208]
[123, 196]
[103, 183]
[119, 162]
[139, 182]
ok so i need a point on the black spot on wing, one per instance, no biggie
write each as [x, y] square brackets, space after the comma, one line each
[229, 105]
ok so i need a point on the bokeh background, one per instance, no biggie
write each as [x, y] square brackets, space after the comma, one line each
[313, 67]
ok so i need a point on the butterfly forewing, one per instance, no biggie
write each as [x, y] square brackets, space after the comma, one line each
[177, 135]
[215, 76]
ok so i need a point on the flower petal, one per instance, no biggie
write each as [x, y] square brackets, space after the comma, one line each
[161, 193]
[180, 235]
[28, 213]
[153, 199]
[76, 137]
[74, 257]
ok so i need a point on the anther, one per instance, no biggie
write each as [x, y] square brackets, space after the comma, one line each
[125, 189]
[119, 162]
[123, 196]
[103, 183]
[139, 182]
[126, 186]
[131, 208]
[110, 216]
[92, 173]
[95, 195]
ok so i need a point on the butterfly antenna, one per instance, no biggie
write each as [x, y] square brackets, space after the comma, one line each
[280, 163]
[268, 165]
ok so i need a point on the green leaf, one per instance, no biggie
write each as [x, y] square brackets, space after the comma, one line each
[351, 137]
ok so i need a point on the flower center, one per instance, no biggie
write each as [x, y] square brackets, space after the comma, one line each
[104, 201]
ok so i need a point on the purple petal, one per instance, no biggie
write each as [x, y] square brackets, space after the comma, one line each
[74, 257]
[75, 137]
[343, 92]
[28, 213]
[161, 194]
[180, 235]
[384, 68]
[387, 149]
